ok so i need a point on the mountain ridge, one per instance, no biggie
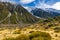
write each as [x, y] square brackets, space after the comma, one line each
[45, 13]
[17, 14]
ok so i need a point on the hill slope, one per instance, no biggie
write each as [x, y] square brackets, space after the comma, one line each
[15, 14]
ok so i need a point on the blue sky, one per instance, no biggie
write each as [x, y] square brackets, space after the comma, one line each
[28, 4]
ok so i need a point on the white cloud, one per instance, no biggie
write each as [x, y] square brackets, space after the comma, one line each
[56, 6]
[44, 5]
[26, 1]
[28, 8]
[11, 1]
[5, 0]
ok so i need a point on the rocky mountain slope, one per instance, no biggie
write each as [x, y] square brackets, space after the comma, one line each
[45, 13]
[15, 14]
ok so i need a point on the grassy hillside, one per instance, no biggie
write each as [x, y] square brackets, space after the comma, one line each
[43, 30]
[15, 14]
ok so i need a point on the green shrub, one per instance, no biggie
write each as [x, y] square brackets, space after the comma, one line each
[31, 31]
[39, 36]
[16, 32]
[21, 37]
[1, 29]
[50, 25]
[10, 38]
[57, 29]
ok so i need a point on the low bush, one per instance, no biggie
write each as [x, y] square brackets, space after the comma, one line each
[57, 29]
[17, 31]
[39, 36]
[20, 37]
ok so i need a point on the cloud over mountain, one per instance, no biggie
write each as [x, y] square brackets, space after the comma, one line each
[44, 5]
[26, 1]
[56, 6]
[37, 3]
[11, 1]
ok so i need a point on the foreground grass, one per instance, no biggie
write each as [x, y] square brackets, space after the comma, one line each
[23, 34]
[33, 36]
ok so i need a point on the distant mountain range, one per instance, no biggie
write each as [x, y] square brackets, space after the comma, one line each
[15, 14]
[46, 13]
[53, 10]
